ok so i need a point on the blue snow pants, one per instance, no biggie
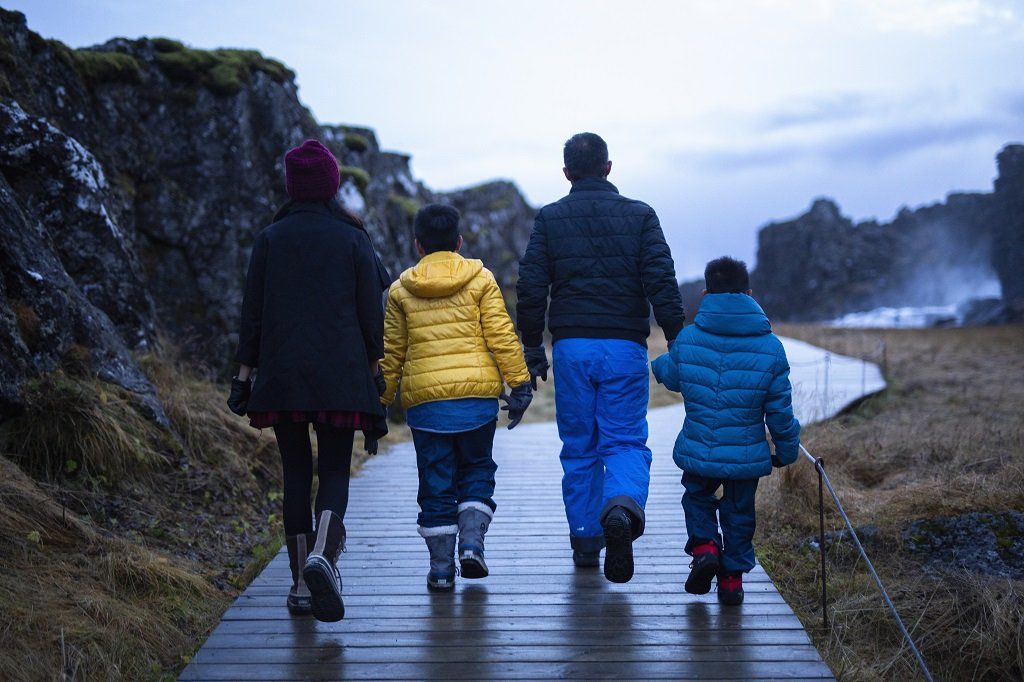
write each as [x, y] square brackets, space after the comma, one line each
[601, 393]
[734, 511]
[453, 468]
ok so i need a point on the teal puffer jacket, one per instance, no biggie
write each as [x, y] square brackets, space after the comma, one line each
[734, 377]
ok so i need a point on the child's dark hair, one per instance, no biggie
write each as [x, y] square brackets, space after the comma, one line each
[437, 227]
[726, 276]
[585, 156]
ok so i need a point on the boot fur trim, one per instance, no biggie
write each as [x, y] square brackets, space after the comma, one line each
[426, 532]
[479, 506]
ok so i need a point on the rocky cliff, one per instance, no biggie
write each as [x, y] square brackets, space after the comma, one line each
[822, 265]
[133, 178]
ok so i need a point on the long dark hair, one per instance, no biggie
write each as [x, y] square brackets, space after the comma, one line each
[337, 208]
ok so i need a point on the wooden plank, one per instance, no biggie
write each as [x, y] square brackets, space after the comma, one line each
[470, 669]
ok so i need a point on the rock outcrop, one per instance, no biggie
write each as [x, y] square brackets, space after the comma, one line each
[134, 177]
[821, 265]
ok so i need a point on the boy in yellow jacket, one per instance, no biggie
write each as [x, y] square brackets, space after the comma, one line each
[450, 342]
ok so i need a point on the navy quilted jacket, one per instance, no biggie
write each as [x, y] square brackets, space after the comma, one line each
[734, 377]
[604, 261]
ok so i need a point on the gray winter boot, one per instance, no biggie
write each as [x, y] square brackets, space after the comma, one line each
[298, 596]
[321, 569]
[474, 518]
[441, 543]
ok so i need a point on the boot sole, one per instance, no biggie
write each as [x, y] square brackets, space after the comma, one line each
[618, 553]
[701, 575]
[325, 597]
[450, 587]
[587, 562]
[473, 568]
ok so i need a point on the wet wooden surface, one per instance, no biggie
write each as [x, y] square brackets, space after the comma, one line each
[535, 617]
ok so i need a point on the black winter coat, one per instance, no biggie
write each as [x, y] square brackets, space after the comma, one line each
[312, 316]
[604, 260]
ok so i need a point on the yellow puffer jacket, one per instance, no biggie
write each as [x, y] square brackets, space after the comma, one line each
[447, 334]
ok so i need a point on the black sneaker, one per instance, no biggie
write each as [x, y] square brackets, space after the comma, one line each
[618, 540]
[703, 568]
[586, 559]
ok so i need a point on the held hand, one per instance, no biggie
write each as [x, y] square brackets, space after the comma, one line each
[238, 400]
[378, 380]
[537, 363]
[516, 404]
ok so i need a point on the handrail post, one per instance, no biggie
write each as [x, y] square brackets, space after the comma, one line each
[819, 465]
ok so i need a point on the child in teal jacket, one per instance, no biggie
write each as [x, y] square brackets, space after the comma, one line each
[734, 377]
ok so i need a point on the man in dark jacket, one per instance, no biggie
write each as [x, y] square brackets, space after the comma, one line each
[604, 262]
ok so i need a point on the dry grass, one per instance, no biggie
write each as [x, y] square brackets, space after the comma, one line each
[945, 439]
[117, 566]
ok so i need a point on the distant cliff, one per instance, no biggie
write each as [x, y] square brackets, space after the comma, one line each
[821, 265]
[133, 178]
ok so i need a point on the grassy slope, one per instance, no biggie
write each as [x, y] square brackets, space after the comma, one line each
[946, 438]
[121, 542]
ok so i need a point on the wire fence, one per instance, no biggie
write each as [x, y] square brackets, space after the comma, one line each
[825, 484]
[833, 379]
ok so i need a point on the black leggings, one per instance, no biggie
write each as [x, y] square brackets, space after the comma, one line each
[334, 461]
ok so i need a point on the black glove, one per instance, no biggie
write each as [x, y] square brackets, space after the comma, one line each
[517, 403]
[370, 445]
[239, 398]
[378, 379]
[776, 462]
[537, 363]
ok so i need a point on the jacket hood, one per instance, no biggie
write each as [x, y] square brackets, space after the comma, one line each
[440, 274]
[732, 315]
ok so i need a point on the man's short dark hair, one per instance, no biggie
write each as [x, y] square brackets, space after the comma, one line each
[437, 227]
[726, 276]
[585, 155]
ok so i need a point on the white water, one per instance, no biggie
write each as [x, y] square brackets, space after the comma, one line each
[907, 317]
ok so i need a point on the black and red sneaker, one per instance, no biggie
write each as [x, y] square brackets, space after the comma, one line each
[730, 588]
[703, 568]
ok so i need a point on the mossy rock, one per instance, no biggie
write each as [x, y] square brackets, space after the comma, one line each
[409, 205]
[356, 142]
[97, 67]
[357, 175]
[7, 57]
[223, 72]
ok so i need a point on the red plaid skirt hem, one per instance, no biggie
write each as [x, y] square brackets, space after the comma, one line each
[336, 418]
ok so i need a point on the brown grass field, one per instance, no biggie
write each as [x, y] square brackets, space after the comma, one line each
[946, 438]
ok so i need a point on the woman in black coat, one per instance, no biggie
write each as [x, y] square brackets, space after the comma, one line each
[313, 326]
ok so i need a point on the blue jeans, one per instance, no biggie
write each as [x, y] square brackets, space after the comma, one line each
[735, 512]
[601, 393]
[453, 468]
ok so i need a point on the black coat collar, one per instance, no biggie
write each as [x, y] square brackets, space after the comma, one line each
[593, 185]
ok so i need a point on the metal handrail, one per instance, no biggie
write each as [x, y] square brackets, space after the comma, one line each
[823, 484]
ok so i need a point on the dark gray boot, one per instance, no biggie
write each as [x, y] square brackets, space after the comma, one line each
[474, 518]
[441, 544]
[321, 569]
[299, 547]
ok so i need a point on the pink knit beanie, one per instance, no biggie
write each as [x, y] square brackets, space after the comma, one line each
[311, 172]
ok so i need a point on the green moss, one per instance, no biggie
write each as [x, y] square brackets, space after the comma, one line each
[408, 205]
[167, 45]
[223, 72]
[358, 176]
[62, 52]
[356, 142]
[107, 67]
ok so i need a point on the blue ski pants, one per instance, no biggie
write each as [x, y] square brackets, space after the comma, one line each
[601, 393]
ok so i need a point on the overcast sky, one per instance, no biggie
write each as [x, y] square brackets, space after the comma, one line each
[722, 119]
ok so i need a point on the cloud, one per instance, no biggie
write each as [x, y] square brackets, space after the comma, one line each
[855, 127]
[937, 17]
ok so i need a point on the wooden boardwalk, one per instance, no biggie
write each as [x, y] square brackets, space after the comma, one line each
[536, 616]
